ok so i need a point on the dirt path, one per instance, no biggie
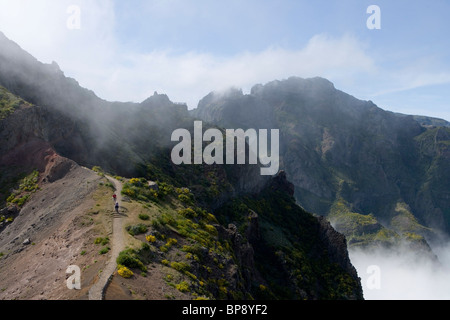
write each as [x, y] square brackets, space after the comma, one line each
[117, 245]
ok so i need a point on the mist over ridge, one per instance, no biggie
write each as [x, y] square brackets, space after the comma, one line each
[382, 178]
[402, 274]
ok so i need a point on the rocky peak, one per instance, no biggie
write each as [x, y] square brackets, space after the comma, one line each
[281, 183]
[295, 85]
[336, 245]
[243, 247]
[160, 100]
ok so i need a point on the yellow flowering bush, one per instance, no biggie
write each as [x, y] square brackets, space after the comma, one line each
[182, 287]
[165, 262]
[125, 272]
[135, 181]
[211, 229]
[171, 242]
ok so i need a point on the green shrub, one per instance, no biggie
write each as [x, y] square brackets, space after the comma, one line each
[9, 103]
[98, 170]
[27, 185]
[137, 229]
[185, 198]
[171, 242]
[211, 229]
[164, 189]
[187, 212]
[144, 217]
[165, 262]
[104, 250]
[180, 266]
[137, 188]
[129, 258]
[190, 275]
[102, 241]
[21, 201]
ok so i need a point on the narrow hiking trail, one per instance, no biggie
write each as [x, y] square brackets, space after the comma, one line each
[97, 291]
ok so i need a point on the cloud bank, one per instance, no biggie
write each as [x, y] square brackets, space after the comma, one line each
[94, 56]
[192, 75]
[403, 275]
[101, 60]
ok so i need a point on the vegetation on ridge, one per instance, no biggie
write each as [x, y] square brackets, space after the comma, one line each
[9, 103]
[198, 258]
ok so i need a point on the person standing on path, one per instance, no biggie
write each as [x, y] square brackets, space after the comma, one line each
[114, 197]
[117, 207]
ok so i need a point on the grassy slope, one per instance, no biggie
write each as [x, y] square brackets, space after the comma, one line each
[9, 103]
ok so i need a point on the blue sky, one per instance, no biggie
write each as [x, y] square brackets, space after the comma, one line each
[126, 50]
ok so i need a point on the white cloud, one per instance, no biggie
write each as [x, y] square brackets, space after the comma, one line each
[189, 76]
[40, 28]
[403, 274]
[95, 57]
[418, 74]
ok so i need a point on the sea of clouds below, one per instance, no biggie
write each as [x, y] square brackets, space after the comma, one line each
[402, 274]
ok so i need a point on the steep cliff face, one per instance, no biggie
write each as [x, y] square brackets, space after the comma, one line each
[336, 246]
[295, 255]
[29, 135]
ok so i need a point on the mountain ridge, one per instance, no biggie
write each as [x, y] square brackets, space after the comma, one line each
[72, 129]
[335, 147]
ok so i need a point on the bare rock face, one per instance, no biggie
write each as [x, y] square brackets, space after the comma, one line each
[57, 167]
[336, 246]
[29, 144]
[242, 249]
[253, 233]
[30, 135]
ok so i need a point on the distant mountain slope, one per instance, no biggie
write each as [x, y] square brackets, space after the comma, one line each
[428, 121]
[338, 149]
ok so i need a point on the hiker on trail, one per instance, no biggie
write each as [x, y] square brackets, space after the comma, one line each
[114, 197]
[117, 207]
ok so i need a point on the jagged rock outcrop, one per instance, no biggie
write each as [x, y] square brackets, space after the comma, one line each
[244, 254]
[286, 245]
[281, 183]
[336, 245]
